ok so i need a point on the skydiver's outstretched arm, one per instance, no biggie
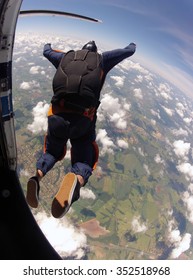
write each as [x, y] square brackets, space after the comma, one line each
[52, 55]
[112, 58]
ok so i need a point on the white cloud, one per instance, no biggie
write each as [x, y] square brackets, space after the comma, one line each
[27, 49]
[100, 115]
[118, 120]
[40, 118]
[67, 240]
[138, 93]
[188, 200]
[153, 122]
[119, 81]
[168, 111]
[179, 112]
[137, 226]
[165, 95]
[180, 109]
[180, 106]
[154, 113]
[180, 132]
[110, 104]
[122, 144]
[174, 236]
[126, 105]
[181, 246]
[25, 85]
[158, 159]
[149, 78]
[19, 59]
[139, 79]
[180, 243]
[34, 70]
[187, 120]
[187, 169]
[165, 91]
[29, 85]
[181, 148]
[128, 64]
[86, 193]
[105, 140]
[112, 109]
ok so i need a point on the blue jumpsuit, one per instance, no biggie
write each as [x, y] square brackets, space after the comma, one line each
[74, 127]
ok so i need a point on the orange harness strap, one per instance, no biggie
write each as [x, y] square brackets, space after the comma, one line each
[96, 149]
[89, 113]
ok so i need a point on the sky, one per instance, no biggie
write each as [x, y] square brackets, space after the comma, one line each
[161, 29]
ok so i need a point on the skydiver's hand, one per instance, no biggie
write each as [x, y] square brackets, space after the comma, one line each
[47, 45]
[132, 47]
[132, 44]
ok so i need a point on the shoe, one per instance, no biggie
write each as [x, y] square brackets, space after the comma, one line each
[68, 193]
[33, 189]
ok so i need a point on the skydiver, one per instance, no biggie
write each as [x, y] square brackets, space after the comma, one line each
[72, 115]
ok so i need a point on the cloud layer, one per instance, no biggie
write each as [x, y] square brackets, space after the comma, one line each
[67, 239]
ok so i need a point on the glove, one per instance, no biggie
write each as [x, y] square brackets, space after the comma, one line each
[46, 47]
[48, 44]
[132, 44]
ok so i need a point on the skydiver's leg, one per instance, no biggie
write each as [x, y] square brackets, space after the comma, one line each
[83, 156]
[83, 159]
[54, 150]
[55, 144]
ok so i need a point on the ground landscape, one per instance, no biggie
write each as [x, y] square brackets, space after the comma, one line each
[138, 203]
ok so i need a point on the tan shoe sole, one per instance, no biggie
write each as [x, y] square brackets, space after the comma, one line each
[62, 200]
